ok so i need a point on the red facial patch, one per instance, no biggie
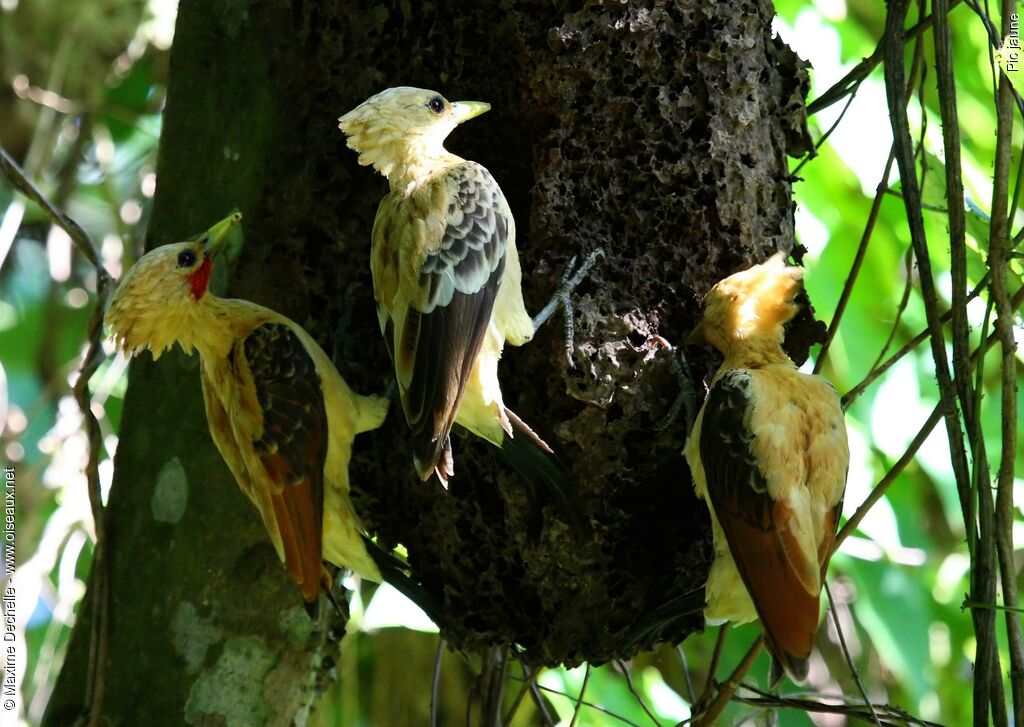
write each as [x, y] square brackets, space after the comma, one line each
[200, 279]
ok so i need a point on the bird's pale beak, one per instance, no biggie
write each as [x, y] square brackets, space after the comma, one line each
[696, 336]
[215, 237]
[466, 110]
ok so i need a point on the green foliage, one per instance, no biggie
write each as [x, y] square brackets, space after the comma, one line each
[91, 147]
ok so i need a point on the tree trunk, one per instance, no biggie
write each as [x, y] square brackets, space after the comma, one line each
[656, 131]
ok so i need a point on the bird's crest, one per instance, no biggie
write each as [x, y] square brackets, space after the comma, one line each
[400, 131]
[752, 305]
[154, 303]
[162, 299]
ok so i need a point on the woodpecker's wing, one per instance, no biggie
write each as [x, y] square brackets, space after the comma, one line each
[439, 327]
[767, 537]
[292, 446]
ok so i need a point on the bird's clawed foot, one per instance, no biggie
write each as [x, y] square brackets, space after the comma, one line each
[572, 277]
[686, 399]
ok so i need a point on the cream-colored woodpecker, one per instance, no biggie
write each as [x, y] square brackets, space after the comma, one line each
[769, 454]
[446, 272]
[278, 411]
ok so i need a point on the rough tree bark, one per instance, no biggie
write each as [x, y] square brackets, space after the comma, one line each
[657, 131]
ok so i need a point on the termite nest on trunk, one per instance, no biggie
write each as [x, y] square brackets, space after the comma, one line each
[658, 134]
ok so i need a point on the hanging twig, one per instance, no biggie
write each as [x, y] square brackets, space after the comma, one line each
[869, 228]
[538, 700]
[980, 472]
[846, 653]
[895, 471]
[957, 223]
[96, 674]
[995, 41]
[709, 683]
[908, 456]
[858, 259]
[1015, 202]
[435, 683]
[690, 695]
[579, 699]
[529, 679]
[849, 83]
[894, 84]
[828, 132]
[983, 496]
[894, 77]
[590, 705]
[998, 266]
[901, 307]
[633, 690]
[983, 578]
[727, 689]
[492, 680]
[958, 254]
[78, 236]
[879, 369]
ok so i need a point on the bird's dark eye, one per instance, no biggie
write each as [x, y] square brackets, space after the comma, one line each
[186, 259]
[436, 105]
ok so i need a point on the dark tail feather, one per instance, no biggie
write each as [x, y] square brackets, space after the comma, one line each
[313, 607]
[537, 467]
[394, 572]
[433, 457]
[782, 664]
[327, 574]
[648, 628]
[341, 610]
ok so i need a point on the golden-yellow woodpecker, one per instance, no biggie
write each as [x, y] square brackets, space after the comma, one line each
[278, 410]
[446, 272]
[769, 454]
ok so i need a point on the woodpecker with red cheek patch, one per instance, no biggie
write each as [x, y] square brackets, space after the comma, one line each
[769, 454]
[278, 410]
[446, 277]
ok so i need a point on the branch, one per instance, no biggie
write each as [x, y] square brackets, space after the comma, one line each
[492, 679]
[529, 680]
[633, 690]
[727, 690]
[690, 696]
[869, 226]
[435, 683]
[579, 699]
[20, 182]
[908, 456]
[716, 654]
[96, 679]
[901, 308]
[957, 243]
[813, 153]
[895, 471]
[998, 266]
[848, 84]
[891, 715]
[598, 707]
[995, 41]
[850, 396]
[858, 260]
[894, 77]
[834, 611]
